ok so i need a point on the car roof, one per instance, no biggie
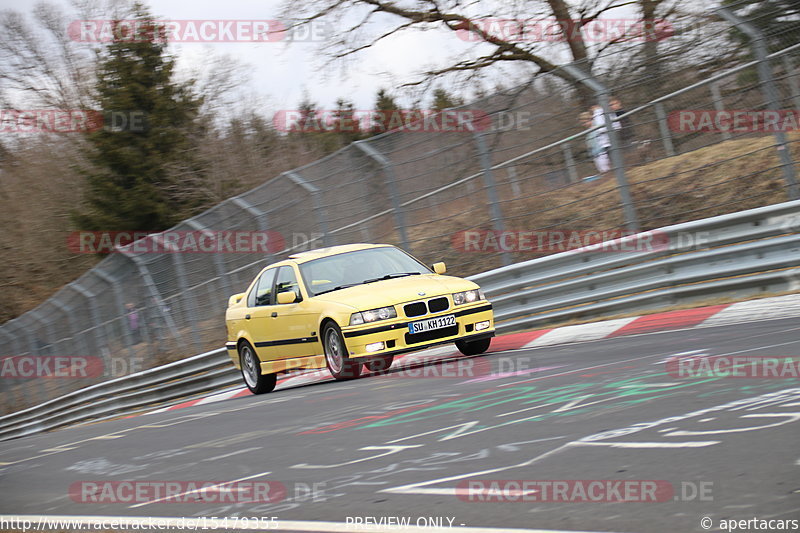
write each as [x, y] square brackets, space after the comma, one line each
[303, 257]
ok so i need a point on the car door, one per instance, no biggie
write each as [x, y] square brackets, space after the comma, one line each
[260, 307]
[295, 324]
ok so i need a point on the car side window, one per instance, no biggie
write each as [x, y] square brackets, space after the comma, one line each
[287, 282]
[262, 292]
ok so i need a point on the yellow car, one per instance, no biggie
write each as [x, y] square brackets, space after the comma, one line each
[348, 306]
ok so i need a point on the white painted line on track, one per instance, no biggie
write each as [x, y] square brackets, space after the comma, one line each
[690, 444]
[202, 489]
[221, 396]
[232, 454]
[76, 521]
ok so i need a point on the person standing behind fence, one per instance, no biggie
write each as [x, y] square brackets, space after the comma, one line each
[626, 136]
[156, 314]
[132, 315]
[597, 144]
[604, 141]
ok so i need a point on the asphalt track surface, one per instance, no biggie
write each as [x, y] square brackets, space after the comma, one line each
[403, 445]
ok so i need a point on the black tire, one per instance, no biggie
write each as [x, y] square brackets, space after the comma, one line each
[379, 364]
[339, 365]
[473, 347]
[257, 382]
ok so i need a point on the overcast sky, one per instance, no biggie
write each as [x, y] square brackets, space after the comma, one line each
[280, 73]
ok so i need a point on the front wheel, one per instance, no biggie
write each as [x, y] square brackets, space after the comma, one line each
[379, 364]
[257, 382]
[340, 366]
[473, 347]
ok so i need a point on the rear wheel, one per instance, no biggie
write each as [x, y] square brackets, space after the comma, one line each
[257, 382]
[379, 364]
[340, 366]
[473, 347]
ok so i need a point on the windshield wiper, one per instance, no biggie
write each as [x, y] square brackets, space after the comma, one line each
[337, 288]
[390, 276]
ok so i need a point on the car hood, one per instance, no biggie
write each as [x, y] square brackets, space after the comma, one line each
[397, 291]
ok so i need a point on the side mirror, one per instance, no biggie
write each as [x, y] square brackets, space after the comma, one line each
[286, 297]
[439, 268]
[235, 299]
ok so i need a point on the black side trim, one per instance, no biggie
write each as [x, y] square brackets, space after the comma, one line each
[478, 336]
[284, 342]
[487, 307]
[378, 329]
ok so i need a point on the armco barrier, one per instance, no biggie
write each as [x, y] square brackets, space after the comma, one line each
[735, 254]
[727, 255]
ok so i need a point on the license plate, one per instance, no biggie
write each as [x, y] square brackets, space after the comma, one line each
[432, 323]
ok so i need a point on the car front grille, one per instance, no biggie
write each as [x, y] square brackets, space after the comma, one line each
[436, 305]
[415, 309]
[413, 338]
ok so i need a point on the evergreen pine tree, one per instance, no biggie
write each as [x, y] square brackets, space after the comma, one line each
[130, 186]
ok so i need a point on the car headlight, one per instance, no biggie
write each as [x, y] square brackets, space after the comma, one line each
[373, 315]
[466, 297]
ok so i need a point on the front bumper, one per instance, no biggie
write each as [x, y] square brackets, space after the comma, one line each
[396, 337]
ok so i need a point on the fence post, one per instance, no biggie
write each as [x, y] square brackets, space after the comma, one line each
[391, 185]
[119, 302]
[225, 282]
[10, 341]
[491, 189]
[16, 351]
[770, 95]
[791, 78]
[319, 211]
[262, 221]
[78, 342]
[153, 290]
[719, 106]
[189, 302]
[92, 301]
[663, 128]
[566, 148]
[602, 93]
[38, 347]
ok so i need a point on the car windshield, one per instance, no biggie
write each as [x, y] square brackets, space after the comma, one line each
[340, 271]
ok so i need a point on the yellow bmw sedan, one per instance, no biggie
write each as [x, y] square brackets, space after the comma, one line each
[349, 306]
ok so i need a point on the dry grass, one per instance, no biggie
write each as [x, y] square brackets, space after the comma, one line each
[726, 177]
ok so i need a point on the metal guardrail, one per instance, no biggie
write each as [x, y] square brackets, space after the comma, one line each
[196, 374]
[739, 253]
[743, 252]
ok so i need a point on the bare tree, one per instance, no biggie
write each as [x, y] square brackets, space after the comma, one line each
[498, 31]
[40, 64]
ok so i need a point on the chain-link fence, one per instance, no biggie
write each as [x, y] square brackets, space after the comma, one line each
[649, 135]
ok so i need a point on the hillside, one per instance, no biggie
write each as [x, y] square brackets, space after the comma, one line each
[36, 198]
